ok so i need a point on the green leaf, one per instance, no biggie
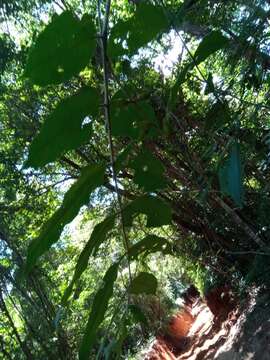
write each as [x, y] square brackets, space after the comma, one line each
[157, 211]
[209, 45]
[98, 311]
[133, 120]
[149, 245]
[148, 171]
[63, 129]
[62, 49]
[231, 176]
[144, 26]
[97, 237]
[122, 159]
[144, 283]
[210, 87]
[77, 196]
[180, 79]
[138, 315]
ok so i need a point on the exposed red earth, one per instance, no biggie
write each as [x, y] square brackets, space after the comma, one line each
[205, 328]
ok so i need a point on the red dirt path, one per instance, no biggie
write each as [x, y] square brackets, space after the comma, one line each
[199, 329]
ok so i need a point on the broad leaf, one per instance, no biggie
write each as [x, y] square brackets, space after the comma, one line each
[98, 311]
[77, 196]
[231, 176]
[62, 50]
[148, 171]
[144, 283]
[144, 26]
[63, 129]
[122, 158]
[209, 45]
[134, 120]
[97, 237]
[157, 211]
[149, 245]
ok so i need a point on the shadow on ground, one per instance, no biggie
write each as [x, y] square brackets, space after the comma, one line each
[217, 327]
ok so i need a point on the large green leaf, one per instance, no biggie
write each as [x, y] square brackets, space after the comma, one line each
[97, 237]
[63, 129]
[144, 26]
[62, 50]
[157, 211]
[209, 45]
[149, 245]
[98, 311]
[143, 283]
[148, 171]
[134, 120]
[231, 175]
[77, 196]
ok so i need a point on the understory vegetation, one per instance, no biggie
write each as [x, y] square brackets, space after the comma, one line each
[135, 155]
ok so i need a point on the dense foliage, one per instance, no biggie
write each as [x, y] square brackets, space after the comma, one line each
[134, 161]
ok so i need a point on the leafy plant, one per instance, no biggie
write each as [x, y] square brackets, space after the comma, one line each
[149, 163]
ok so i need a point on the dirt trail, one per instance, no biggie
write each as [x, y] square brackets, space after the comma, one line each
[216, 328]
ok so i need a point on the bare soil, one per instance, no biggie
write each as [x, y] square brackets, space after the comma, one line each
[217, 327]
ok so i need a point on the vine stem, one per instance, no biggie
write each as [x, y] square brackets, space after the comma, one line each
[103, 43]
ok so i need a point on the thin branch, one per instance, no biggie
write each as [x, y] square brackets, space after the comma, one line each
[103, 44]
[60, 5]
[241, 223]
[247, 252]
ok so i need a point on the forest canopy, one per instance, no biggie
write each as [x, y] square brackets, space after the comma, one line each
[135, 153]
